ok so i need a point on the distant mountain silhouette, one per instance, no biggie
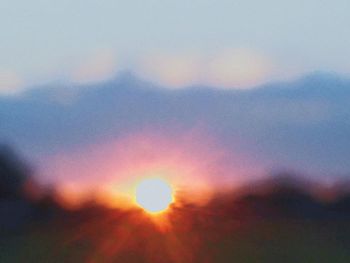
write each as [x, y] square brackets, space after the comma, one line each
[301, 124]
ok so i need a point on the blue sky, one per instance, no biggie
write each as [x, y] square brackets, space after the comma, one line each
[42, 41]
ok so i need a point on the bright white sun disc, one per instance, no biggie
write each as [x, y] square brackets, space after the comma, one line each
[154, 195]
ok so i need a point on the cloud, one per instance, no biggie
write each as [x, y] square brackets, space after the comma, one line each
[239, 68]
[97, 67]
[171, 70]
[10, 82]
[233, 68]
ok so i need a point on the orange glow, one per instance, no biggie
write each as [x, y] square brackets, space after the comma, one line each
[112, 170]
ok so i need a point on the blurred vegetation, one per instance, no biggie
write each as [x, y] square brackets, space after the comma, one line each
[278, 220]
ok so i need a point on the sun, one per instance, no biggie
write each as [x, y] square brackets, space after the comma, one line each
[154, 195]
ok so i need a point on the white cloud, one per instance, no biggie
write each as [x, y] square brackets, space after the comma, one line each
[10, 82]
[172, 70]
[96, 67]
[234, 68]
[239, 68]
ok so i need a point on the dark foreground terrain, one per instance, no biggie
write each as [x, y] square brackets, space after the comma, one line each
[278, 221]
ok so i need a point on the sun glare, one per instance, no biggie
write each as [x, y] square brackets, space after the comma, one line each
[154, 195]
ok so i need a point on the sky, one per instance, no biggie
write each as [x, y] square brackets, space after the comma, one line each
[174, 43]
[101, 91]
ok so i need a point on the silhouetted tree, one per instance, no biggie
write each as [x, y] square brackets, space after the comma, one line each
[13, 174]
